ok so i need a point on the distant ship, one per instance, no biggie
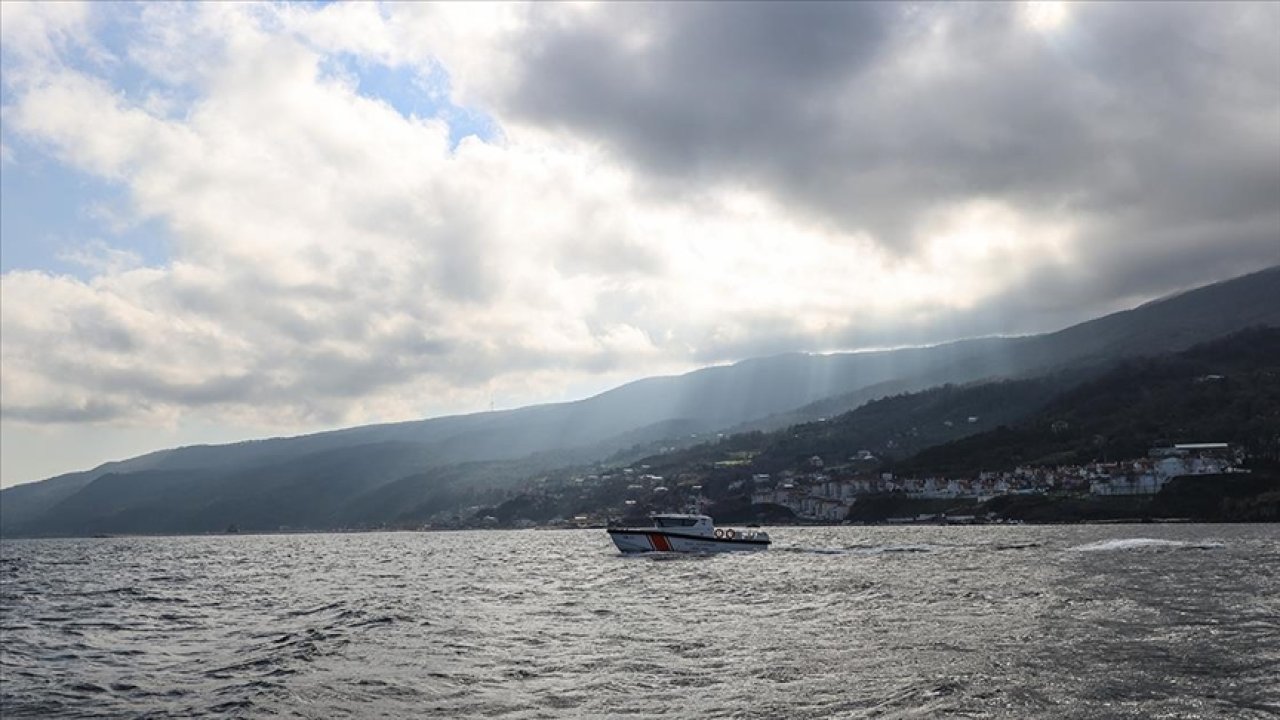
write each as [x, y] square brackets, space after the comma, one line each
[686, 533]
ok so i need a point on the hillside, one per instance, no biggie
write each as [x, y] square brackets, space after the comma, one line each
[1223, 391]
[370, 475]
[893, 427]
[1227, 390]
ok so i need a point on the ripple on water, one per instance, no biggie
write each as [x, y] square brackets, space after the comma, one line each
[906, 622]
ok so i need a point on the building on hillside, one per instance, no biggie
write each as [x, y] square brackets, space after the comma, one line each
[1148, 476]
[1144, 484]
[1220, 450]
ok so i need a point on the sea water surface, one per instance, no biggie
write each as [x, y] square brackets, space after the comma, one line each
[1119, 621]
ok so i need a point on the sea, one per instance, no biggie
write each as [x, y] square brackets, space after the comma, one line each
[1102, 621]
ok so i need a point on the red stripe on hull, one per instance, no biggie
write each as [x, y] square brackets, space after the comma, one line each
[659, 542]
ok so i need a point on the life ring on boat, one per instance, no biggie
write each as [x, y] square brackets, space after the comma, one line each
[729, 534]
[719, 532]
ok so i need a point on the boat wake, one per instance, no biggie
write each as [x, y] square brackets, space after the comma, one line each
[883, 549]
[1144, 544]
[811, 551]
[860, 549]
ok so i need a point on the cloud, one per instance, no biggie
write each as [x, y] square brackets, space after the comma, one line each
[668, 185]
[870, 116]
[39, 32]
[1153, 130]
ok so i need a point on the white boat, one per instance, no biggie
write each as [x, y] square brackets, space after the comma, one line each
[686, 533]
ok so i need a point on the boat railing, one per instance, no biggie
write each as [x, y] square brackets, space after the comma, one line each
[735, 534]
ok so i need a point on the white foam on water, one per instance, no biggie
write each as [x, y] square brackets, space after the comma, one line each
[1140, 543]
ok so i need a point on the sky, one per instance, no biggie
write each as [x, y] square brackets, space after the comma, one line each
[225, 221]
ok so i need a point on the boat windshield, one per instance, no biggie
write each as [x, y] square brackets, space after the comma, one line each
[675, 522]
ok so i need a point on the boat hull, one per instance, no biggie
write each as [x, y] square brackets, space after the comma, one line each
[645, 540]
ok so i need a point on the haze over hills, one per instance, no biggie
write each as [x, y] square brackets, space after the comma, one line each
[369, 475]
[1226, 390]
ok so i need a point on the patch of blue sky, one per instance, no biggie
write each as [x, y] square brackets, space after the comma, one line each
[118, 35]
[56, 218]
[51, 214]
[414, 94]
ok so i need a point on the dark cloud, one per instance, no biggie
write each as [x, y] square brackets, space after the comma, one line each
[1151, 131]
[97, 329]
[93, 411]
[705, 90]
[1139, 118]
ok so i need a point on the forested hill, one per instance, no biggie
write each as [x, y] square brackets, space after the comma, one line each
[399, 474]
[1227, 390]
[1224, 391]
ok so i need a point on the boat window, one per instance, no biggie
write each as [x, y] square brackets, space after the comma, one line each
[676, 522]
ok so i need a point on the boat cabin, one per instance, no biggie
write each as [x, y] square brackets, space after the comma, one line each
[688, 524]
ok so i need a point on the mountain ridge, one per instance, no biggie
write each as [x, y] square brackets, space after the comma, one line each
[781, 389]
[1224, 390]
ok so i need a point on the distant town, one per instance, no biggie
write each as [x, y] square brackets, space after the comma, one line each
[828, 496]
[828, 493]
